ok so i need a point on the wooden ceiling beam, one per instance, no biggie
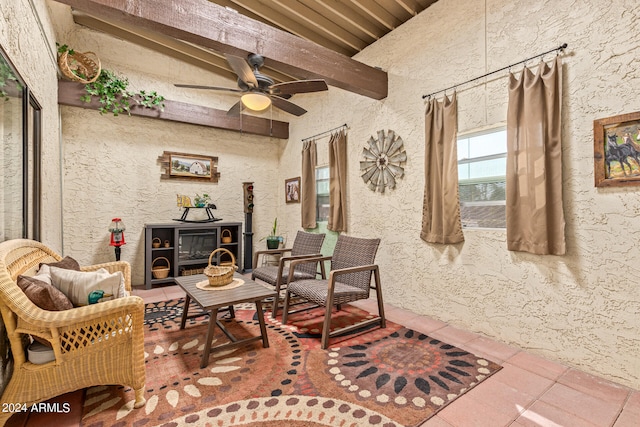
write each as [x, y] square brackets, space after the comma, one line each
[217, 28]
[378, 13]
[69, 93]
[350, 16]
[273, 17]
[313, 19]
[183, 51]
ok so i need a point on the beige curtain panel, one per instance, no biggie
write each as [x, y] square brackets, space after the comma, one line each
[338, 182]
[441, 204]
[535, 215]
[308, 185]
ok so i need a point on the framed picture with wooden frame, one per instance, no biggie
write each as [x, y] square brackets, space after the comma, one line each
[189, 166]
[292, 190]
[617, 150]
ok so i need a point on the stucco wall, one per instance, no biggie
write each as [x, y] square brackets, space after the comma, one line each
[581, 309]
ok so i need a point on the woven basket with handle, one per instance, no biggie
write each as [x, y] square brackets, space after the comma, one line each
[226, 236]
[160, 272]
[80, 67]
[220, 275]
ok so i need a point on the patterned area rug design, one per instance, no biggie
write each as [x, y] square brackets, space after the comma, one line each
[389, 377]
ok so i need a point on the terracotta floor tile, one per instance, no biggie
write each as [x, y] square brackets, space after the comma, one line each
[174, 293]
[582, 405]
[522, 380]
[425, 325]
[436, 421]
[399, 315]
[474, 414]
[627, 419]
[633, 403]
[501, 397]
[491, 349]
[541, 414]
[595, 386]
[453, 336]
[538, 365]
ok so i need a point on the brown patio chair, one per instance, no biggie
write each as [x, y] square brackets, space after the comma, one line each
[305, 245]
[352, 265]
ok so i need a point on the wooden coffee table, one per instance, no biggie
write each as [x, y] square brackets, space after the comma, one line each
[212, 300]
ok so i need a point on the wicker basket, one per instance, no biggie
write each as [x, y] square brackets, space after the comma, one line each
[80, 67]
[226, 236]
[220, 275]
[160, 272]
[156, 242]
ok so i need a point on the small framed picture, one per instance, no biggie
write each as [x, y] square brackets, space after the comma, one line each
[617, 150]
[192, 167]
[292, 190]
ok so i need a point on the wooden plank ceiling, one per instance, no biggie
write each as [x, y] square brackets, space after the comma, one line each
[300, 39]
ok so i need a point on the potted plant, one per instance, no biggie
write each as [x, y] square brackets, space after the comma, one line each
[273, 240]
[201, 201]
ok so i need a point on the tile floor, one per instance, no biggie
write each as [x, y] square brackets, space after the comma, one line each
[529, 391]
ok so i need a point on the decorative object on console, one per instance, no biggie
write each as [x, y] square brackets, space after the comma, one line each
[189, 166]
[382, 161]
[292, 190]
[617, 150]
[201, 201]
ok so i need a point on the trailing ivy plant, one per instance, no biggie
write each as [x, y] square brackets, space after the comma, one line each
[111, 91]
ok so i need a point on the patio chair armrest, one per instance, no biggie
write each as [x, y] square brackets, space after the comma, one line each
[315, 259]
[122, 266]
[268, 252]
[71, 331]
[348, 270]
[39, 319]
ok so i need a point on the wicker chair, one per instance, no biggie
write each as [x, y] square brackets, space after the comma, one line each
[305, 245]
[93, 345]
[349, 280]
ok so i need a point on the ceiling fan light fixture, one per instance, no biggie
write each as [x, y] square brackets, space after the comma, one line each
[256, 101]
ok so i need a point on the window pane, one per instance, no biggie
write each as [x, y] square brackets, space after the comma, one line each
[487, 168]
[481, 176]
[322, 193]
[488, 144]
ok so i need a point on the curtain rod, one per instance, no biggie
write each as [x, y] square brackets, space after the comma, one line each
[558, 49]
[325, 132]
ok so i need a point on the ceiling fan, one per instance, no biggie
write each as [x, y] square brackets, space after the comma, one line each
[259, 90]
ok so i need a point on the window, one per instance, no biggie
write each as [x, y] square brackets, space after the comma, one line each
[20, 129]
[322, 193]
[482, 162]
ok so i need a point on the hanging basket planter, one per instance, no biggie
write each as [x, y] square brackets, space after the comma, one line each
[80, 67]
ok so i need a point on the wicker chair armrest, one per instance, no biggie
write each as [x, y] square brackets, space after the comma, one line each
[296, 257]
[348, 270]
[112, 267]
[268, 252]
[43, 319]
[315, 259]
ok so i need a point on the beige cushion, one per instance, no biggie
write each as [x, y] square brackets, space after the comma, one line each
[77, 285]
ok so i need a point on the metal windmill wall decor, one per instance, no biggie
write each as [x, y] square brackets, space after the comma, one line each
[382, 162]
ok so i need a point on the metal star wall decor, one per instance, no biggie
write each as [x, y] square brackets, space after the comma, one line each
[382, 161]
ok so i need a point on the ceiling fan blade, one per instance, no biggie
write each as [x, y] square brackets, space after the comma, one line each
[235, 109]
[242, 69]
[287, 106]
[298, 86]
[207, 87]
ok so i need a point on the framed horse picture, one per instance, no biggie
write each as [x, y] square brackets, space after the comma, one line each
[617, 150]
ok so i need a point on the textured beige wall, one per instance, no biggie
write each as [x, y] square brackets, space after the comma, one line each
[26, 34]
[581, 309]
